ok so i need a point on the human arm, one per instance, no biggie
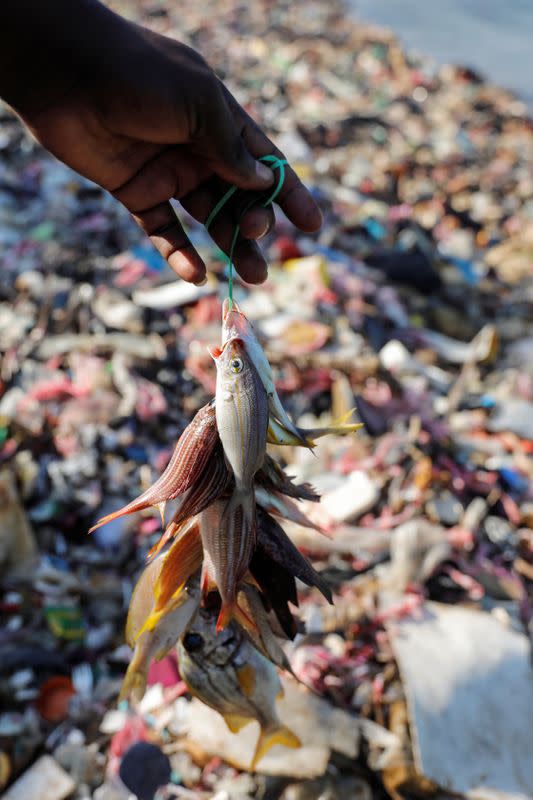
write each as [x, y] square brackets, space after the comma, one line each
[146, 118]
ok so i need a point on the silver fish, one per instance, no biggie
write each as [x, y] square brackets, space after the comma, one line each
[236, 325]
[228, 550]
[228, 674]
[242, 421]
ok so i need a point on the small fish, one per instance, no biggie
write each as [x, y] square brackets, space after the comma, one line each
[278, 589]
[155, 642]
[242, 419]
[191, 454]
[235, 324]
[213, 482]
[227, 554]
[278, 434]
[228, 674]
[252, 604]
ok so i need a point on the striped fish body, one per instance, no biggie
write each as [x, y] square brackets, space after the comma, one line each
[213, 483]
[228, 543]
[235, 324]
[242, 421]
[241, 412]
[191, 454]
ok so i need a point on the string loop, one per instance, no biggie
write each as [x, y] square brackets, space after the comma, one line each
[275, 163]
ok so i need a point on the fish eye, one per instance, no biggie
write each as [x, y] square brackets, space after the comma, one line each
[236, 365]
[193, 642]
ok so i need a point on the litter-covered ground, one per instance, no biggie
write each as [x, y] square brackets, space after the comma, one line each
[414, 304]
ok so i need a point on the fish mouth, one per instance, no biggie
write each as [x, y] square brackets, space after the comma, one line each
[233, 320]
[228, 308]
[215, 352]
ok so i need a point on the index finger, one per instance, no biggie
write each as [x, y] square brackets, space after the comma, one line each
[294, 198]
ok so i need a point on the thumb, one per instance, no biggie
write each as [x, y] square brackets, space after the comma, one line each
[224, 146]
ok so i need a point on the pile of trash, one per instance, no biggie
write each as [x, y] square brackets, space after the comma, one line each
[413, 304]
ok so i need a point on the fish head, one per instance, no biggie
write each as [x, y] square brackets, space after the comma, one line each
[231, 360]
[205, 646]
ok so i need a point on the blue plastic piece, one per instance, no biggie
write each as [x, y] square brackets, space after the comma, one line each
[514, 480]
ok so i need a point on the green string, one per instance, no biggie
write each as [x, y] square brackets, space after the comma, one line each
[276, 163]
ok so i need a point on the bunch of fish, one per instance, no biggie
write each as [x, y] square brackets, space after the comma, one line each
[223, 585]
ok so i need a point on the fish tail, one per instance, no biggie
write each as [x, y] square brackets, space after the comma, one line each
[229, 610]
[207, 578]
[168, 534]
[140, 504]
[271, 736]
[134, 683]
[337, 428]
[226, 613]
[245, 499]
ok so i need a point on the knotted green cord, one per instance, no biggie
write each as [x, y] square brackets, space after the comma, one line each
[276, 163]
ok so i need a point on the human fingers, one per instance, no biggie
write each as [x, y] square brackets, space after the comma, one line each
[219, 139]
[247, 257]
[294, 198]
[167, 235]
[146, 195]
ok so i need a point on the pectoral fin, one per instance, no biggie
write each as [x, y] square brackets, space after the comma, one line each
[246, 678]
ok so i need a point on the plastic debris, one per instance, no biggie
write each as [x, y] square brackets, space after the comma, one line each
[411, 305]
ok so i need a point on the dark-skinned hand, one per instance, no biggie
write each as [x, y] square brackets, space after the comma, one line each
[145, 117]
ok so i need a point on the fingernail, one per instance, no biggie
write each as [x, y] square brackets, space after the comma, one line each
[202, 282]
[264, 172]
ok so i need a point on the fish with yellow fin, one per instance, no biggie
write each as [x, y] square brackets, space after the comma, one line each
[226, 672]
[279, 434]
[163, 602]
[236, 325]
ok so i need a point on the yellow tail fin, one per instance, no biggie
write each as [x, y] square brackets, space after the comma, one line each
[268, 738]
[181, 561]
[134, 683]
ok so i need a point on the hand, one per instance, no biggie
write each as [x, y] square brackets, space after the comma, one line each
[148, 120]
